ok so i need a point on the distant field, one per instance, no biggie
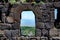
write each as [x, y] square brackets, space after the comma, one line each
[25, 30]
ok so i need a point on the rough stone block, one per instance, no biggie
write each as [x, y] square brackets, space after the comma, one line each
[45, 32]
[40, 25]
[14, 38]
[38, 32]
[11, 33]
[44, 38]
[57, 4]
[55, 38]
[45, 17]
[3, 38]
[18, 38]
[5, 26]
[53, 32]
[23, 38]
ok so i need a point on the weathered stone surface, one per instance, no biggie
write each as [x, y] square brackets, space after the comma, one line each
[3, 38]
[45, 32]
[58, 30]
[44, 17]
[55, 38]
[57, 4]
[44, 25]
[44, 38]
[5, 26]
[54, 32]
[38, 32]
[10, 20]
[11, 33]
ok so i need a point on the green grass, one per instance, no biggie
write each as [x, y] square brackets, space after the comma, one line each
[25, 30]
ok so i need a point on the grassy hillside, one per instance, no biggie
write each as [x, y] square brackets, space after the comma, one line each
[26, 30]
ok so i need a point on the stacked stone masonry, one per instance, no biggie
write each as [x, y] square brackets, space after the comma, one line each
[44, 18]
[31, 38]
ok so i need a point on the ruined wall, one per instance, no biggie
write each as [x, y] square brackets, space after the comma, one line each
[44, 16]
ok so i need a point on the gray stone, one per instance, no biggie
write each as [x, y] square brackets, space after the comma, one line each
[8, 34]
[11, 33]
[45, 32]
[44, 38]
[38, 32]
[44, 16]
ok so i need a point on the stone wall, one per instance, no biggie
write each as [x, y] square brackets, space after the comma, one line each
[44, 18]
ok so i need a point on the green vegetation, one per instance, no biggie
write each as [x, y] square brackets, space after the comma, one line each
[12, 1]
[24, 1]
[41, 2]
[26, 30]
